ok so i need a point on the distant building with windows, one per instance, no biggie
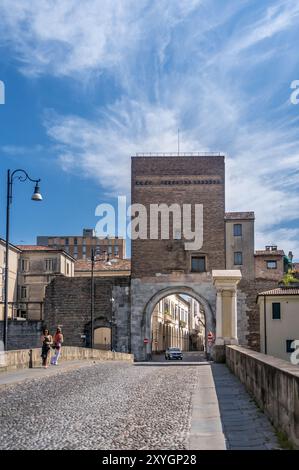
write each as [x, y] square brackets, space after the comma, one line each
[38, 266]
[31, 269]
[270, 263]
[239, 239]
[14, 254]
[279, 321]
[177, 321]
[81, 246]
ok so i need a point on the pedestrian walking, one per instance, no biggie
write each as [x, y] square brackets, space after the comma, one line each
[46, 340]
[57, 343]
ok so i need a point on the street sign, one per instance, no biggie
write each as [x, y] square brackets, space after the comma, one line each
[145, 340]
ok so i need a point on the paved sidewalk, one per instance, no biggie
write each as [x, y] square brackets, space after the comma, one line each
[245, 426]
[20, 375]
[224, 416]
[206, 431]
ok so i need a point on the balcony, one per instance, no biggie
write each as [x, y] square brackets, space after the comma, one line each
[168, 319]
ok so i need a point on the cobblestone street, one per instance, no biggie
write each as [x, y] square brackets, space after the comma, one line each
[111, 405]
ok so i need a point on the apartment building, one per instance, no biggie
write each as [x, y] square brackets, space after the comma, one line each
[175, 324]
[14, 254]
[81, 246]
[37, 266]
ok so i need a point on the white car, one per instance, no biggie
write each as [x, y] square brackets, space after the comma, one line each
[173, 353]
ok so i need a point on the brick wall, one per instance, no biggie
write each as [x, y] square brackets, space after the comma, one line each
[68, 303]
[179, 180]
[261, 270]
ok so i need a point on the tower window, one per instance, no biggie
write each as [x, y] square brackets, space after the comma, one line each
[198, 264]
[238, 258]
[237, 230]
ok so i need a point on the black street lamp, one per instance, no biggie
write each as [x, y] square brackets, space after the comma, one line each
[112, 323]
[93, 261]
[92, 298]
[92, 292]
[23, 176]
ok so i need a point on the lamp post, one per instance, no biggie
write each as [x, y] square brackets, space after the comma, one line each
[112, 322]
[93, 261]
[22, 176]
[92, 298]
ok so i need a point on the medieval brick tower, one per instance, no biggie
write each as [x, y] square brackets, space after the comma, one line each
[180, 180]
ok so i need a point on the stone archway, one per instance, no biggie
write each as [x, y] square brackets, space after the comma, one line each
[217, 293]
[210, 320]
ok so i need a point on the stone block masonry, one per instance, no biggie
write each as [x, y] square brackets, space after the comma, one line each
[68, 303]
[22, 334]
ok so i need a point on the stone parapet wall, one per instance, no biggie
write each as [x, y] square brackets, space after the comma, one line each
[26, 358]
[273, 383]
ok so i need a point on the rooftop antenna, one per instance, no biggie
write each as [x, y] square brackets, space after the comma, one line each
[178, 141]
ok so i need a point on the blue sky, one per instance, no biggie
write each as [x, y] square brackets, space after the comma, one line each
[90, 83]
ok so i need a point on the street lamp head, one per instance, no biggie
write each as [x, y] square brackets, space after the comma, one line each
[36, 196]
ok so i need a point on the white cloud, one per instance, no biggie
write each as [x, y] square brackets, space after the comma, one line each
[182, 64]
[68, 37]
[288, 240]
[278, 17]
[102, 149]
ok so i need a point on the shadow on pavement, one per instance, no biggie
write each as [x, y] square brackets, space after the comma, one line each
[244, 425]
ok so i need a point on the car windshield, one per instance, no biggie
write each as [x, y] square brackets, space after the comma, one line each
[174, 349]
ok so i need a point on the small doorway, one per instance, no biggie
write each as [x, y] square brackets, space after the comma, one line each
[102, 338]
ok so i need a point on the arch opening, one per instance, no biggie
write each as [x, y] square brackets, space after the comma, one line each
[177, 317]
[102, 338]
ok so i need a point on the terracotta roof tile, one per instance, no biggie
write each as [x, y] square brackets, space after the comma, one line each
[281, 291]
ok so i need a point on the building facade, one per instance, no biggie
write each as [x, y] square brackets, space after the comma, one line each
[81, 246]
[170, 265]
[13, 263]
[220, 273]
[279, 321]
[170, 324]
[37, 267]
[197, 327]
[239, 237]
[269, 263]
